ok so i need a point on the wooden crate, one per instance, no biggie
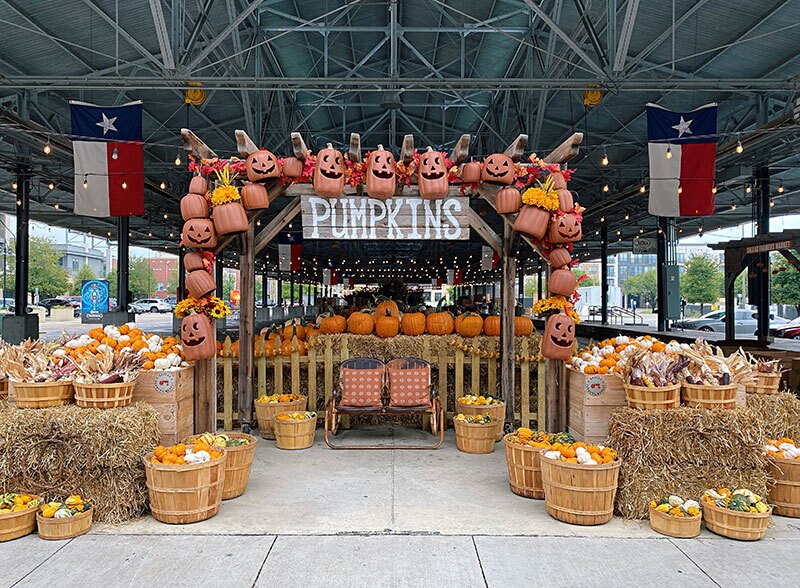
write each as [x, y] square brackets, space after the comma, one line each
[590, 400]
[171, 393]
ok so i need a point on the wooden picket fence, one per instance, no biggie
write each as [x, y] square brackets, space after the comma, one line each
[452, 360]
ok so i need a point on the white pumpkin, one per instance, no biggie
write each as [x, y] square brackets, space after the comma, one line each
[63, 513]
[162, 363]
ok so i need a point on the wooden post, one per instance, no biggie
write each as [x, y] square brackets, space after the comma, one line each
[247, 309]
[205, 393]
[507, 322]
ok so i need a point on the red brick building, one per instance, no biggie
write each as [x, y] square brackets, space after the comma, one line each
[164, 268]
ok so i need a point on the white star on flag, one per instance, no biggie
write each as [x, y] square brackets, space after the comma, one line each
[107, 124]
[683, 127]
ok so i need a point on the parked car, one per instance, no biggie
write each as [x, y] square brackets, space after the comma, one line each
[149, 305]
[789, 330]
[745, 322]
[29, 309]
[50, 303]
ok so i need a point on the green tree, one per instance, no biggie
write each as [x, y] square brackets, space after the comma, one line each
[228, 284]
[111, 278]
[85, 273]
[587, 282]
[643, 284]
[141, 279]
[785, 286]
[44, 270]
[700, 281]
[171, 286]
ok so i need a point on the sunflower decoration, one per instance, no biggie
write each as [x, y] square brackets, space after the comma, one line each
[226, 192]
[544, 195]
[554, 305]
[211, 306]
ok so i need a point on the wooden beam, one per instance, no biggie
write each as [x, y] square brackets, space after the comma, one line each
[566, 151]
[247, 309]
[461, 150]
[485, 231]
[276, 225]
[407, 150]
[274, 190]
[355, 147]
[299, 146]
[516, 150]
[244, 144]
[194, 145]
[507, 306]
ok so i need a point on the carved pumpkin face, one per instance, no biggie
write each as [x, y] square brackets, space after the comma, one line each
[559, 337]
[565, 229]
[197, 336]
[432, 175]
[200, 233]
[262, 165]
[498, 169]
[329, 173]
[381, 179]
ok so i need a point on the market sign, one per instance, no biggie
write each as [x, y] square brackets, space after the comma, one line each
[778, 245]
[94, 300]
[400, 218]
[644, 245]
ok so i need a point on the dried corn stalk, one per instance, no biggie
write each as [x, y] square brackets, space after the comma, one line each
[107, 368]
[33, 361]
[710, 366]
[649, 368]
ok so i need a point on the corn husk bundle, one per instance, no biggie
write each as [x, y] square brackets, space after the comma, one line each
[708, 365]
[651, 369]
[64, 450]
[684, 451]
[32, 361]
[763, 366]
[107, 368]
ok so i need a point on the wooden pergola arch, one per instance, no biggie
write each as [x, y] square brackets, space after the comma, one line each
[250, 244]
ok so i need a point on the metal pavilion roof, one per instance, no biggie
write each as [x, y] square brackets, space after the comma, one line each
[432, 68]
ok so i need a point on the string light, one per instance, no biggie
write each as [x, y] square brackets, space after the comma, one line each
[605, 188]
[51, 185]
[714, 189]
[642, 189]
[733, 206]
[771, 202]
[780, 187]
[668, 154]
[604, 160]
[114, 153]
[14, 184]
[178, 159]
[124, 184]
[602, 219]
[739, 147]
[57, 206]
[680, 189]
[85, 181]
[166, 216]
[163, 185]
[748, 188]
[627, 216]
[47, 149]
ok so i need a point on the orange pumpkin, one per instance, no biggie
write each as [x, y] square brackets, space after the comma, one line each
[194, 206]
[559, 337]
[387, 325]
[498, 168]
[333, 324]
[565, 229]
[470, 325]
[471, 172]
[230, 218]
[262, 165]
[563, 282]
[292, 167]
[198, 185]
[361, 323]
[491, 325]
[329, 173]
[288, 347]
[440, 322]
[532, 221]
[311, 333]
[380, 173]
[293, 329]
[199, 233]
[193, 261]
[413, 323]
[255, 197]
[385, 304]
[523, 326]
[199, 283]
[508, 200]
[432, 175]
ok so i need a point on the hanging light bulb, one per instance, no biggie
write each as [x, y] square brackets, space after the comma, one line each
[733, 206]
[680, 189]
[604, 159]
[627, 216]
[178, 159]
[14, 184]
[748, 188]
[602, 219]
[47, 149]
[642, 189]
[780, 187]
[668, 154]
[739, 147]
[163, 185]
[51, 185]
[115, 153]
[85, 181]
[714, 189]
[771, 202]
[124, 184]
[606, 188]
[166, 216]
[57, 206]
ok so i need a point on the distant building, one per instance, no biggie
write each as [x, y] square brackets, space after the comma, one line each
[164, 269]
[75, 255]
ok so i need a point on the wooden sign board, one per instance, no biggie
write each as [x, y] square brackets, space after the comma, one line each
[400, 218]
[766, 247]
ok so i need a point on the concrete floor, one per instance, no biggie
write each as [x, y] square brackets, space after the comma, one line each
[393, 518]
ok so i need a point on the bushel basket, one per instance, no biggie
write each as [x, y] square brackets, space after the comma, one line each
[579, 494]
[497, 412]
[524, 469]
[655, 398]
[238, 464]
[784, 495]
[475, 437]
[678, 527]
[295, 434]
[42, 394]
[18, 524]
[744, 526]
[702, 396]
[55, 529]
[765, 383]
[116, 395]
[267, 411]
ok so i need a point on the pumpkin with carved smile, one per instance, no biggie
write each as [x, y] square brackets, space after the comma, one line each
[381, 178]
[498, 168]
[262, 165]
[559, 337]
[197, 336]
[565, 229]
[432, 175]
[329, 173]
[200, 233]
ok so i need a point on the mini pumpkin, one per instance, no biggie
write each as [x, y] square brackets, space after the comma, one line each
[262, 165]
[432, 175]
[565, 229]
[194, 206]
[498, 168]
[381, 173]
[559, 337]
[197, 336]
[563, 282]
[508, 200]
[200, 233]
[329, 173]
[471, 172]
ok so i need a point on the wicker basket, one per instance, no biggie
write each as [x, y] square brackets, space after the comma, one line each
[784, 495]
[181, 494]
[238, 465]
[678, 527]
[55, 529]
[744, 526]
[701, 396]
[18, 524]
[3, 387]
[579, 494]
[474, 437]
[114, 395]
[266, 413]
[524, 469]
[496, 411]
[653, 398]
[766, 383]
[295, 434]
[42, 394]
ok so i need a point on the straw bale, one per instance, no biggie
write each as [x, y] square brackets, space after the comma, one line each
[67, 450]
[684, 451]
[779, 413]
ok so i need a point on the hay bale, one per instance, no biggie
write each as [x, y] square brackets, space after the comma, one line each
[779, 414]
[67, 450]
[684, 451]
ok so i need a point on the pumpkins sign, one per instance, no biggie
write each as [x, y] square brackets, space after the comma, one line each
[381, 174]
[329, 173]
[432, 175]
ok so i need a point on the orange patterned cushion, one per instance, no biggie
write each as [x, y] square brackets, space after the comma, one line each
[409, 387]
[362, 387]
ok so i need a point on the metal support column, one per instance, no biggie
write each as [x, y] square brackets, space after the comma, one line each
[218, 267]
[181, 275]
[23, 181]
[762, 200]
[280, 290]
[291, 290]
[539, 282]
[521, 287]
[264, 290]
[123, 264]
[509, 262]
[661, 273]
[604, 274]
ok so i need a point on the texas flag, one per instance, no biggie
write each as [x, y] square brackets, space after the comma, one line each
[682, 148]
[330, 277]
[454, 277]
[290, 246]
[489, 259]
[436, 283]
[109, 163]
